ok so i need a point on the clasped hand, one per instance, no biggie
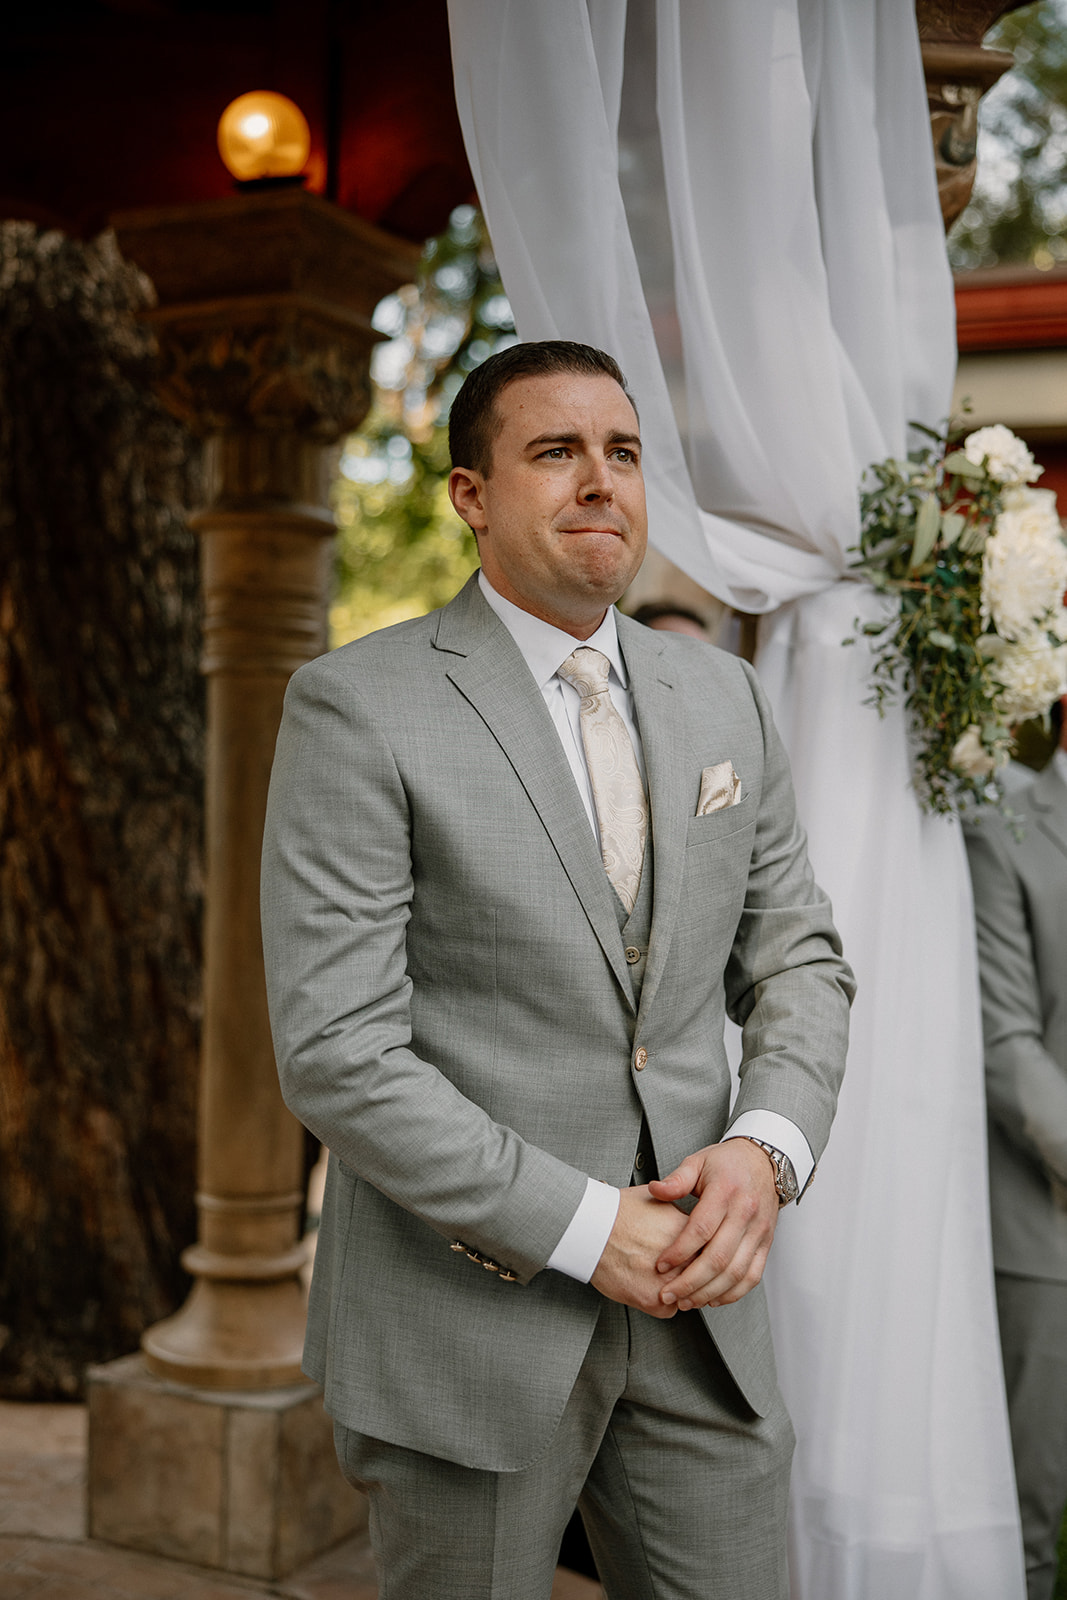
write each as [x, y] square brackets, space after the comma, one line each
[660, 1260]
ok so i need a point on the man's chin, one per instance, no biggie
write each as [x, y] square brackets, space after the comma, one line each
[607, 579]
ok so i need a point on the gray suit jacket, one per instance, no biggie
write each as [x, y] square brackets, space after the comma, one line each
[1020, 893]
[453, 1014]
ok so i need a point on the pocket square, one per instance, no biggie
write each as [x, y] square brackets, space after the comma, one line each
[719, 787]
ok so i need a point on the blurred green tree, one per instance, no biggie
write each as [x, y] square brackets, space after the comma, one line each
[1018, 212]
[401, 548]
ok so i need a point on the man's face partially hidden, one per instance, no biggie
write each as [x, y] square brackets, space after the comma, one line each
[560, 520]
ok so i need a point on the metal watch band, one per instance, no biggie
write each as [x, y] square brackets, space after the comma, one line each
[785, 1178]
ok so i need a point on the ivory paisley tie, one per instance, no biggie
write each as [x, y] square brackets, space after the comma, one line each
[619, 794]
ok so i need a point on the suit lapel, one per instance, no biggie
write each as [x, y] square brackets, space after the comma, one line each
[489, 671]
[1048, 800]
[660, 717]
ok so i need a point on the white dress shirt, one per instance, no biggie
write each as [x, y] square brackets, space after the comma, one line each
[544, 649]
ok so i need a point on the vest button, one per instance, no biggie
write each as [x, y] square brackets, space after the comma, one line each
[639, 1160]
[632, 954]
[640, 1059]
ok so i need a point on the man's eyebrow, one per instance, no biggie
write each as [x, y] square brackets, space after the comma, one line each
[554, 438]
[615, 437]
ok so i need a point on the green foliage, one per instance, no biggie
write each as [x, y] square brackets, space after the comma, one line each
[925, 522]
[1019, 208]
[402, 549]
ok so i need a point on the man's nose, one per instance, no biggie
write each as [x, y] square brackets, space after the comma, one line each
[597, 483]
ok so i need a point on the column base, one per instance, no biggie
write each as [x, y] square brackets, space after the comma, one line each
[244, 1481]
[232, 1335]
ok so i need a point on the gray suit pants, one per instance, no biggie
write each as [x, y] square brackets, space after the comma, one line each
[1033, 1336]
[682, 1487]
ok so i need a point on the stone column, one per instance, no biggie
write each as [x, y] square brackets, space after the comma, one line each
[265, 336]
[265, 562]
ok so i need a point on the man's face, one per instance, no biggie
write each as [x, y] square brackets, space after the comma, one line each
[560, 520]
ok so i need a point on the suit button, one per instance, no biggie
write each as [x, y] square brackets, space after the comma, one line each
[632, 954]
[640, 1059]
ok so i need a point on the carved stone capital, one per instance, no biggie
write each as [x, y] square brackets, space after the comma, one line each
[957, 76]
[959, 21]
[958, 72]
[264, 364]
[264, 309]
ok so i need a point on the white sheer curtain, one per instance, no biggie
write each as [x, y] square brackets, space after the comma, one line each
[738, 201]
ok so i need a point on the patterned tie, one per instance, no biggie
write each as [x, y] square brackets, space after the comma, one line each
[621, 807]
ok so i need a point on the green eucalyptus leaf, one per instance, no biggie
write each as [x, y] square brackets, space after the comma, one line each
[952, 524]
[944, 641]
[927, 526]
[975, 537]
[959, 462]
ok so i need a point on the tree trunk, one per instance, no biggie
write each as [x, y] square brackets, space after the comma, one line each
[101, 729]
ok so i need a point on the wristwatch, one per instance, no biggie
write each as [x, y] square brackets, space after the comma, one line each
[785, 1179]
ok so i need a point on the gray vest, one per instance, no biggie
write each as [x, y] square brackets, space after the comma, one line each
[635, 930]
[636, 927]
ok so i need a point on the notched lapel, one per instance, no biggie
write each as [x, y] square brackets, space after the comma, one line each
[492, 676]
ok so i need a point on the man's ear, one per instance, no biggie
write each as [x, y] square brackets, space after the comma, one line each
[465, 488]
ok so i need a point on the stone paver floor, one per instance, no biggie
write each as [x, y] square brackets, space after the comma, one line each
[45, 1555]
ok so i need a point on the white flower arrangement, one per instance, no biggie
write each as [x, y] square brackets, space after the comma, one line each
[978, 561]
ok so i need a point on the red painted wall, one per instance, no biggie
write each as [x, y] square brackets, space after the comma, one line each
[107, 110]
[1019, 308]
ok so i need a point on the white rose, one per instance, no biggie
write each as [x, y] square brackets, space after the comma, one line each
[969, 754]
[1024, 564]
[1005, 458]
[1039, 502]
[1032, 673]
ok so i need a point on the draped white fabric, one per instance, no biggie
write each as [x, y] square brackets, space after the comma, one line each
[738, 201]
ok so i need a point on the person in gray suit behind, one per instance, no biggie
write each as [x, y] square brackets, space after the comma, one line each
[522, 858]
[1020, 899]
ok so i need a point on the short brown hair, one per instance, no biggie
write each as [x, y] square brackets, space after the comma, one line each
[473, 423]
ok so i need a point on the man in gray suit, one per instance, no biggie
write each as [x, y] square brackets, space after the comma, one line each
[1020, 895]
[522, 858]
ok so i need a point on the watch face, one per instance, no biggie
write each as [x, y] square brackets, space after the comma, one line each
[787, 1179]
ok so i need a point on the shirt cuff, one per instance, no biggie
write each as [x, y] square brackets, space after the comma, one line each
[582, 1245]
[779, 1131]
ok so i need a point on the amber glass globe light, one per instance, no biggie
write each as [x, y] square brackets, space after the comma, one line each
[263, 135]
